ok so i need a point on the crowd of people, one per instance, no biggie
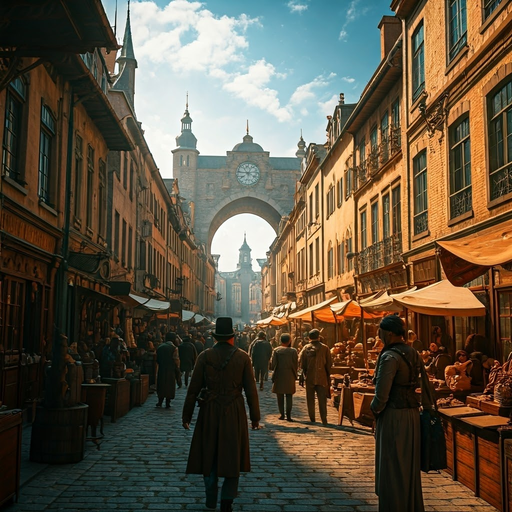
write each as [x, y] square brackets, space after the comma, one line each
[244, 361]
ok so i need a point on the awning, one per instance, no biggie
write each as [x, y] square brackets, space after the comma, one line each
[151, 304]
[187, 315]
[307, 314]
[467, 258]
[272, 320]
[351, 309]
[99, 296]
[441, 299]
[384, 302]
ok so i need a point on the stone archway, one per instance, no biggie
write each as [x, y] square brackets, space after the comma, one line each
[252, 205]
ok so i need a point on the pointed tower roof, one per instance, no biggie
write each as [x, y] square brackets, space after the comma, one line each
[127, 50]
[187, 140]
[301, 152]
[245, 246]
[127, 63]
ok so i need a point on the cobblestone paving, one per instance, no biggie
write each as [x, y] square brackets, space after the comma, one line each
[296, 467]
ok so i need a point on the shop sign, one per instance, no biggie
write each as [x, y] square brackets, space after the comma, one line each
[31, 234]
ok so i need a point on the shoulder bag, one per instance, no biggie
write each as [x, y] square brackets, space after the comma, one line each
[433, 442]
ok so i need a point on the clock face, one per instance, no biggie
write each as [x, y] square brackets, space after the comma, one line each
[248, 174]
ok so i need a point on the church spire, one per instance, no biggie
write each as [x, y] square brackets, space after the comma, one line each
[301, 152]
[187, 139]
[127, 64]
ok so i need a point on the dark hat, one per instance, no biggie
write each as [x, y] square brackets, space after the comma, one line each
[314, 334]
[223, 328]
[170, 336]
[394, 324]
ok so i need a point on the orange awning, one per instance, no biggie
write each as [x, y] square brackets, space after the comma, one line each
[272, 320]
[307, 314]
[351, 309]
[472, 256]
[441, 299]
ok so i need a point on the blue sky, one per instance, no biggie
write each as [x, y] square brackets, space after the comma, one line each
[280, 64]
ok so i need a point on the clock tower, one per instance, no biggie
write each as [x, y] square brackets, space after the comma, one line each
[244, 180]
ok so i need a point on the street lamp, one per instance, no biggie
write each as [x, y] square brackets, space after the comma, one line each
[218, 297]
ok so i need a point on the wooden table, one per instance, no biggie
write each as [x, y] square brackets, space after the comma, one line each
[94, 395]
[10, 454]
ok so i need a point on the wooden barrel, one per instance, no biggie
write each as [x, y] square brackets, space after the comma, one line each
[58, 435]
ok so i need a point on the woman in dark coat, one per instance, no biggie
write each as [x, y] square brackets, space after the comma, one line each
[220, 444]
[284, 364]
[396, 407]
[168, 363]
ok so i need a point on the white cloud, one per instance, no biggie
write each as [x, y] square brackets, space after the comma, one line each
[348, 79]
[327, 107]
[188, 36]
[297, 6]
[353, 12]
[252, 88]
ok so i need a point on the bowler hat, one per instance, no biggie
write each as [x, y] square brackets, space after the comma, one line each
[223, 328]
[314, 334]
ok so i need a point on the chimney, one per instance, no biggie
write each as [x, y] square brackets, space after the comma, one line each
[390, 29]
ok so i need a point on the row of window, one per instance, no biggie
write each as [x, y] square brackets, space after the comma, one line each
[456, 15]
[499, 122]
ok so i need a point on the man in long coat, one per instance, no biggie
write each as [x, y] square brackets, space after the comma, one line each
[316, 362]
[188, 356]
[168, 363]
[220, 444]
[261, 353]
[284, 367]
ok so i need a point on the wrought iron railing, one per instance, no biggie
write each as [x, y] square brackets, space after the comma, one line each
[421, 223]
[378, 157]
[461, 202]
[501, 182]
[380, 254]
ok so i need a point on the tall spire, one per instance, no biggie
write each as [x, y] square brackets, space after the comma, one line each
[247, 129]
[127, 63]
[301, 152]
[187, 139]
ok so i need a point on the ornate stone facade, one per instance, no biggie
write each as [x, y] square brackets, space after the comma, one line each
[245, 180]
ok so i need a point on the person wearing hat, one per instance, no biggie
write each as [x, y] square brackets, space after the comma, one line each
[261, 353]
[220, 443]
[168, 365]
[316, 362]
[284, 367]
[396, 408]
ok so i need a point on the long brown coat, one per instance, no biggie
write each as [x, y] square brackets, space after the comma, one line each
[168, 363]
[284, 365]
[221, 431]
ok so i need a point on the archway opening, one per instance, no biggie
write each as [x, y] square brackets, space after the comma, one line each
[229, 237]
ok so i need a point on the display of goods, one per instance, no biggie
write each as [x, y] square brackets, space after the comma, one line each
[503, 392]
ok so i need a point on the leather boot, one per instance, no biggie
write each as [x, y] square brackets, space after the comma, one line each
[226, 505]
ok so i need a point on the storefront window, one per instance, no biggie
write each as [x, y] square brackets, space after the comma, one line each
[505, 323]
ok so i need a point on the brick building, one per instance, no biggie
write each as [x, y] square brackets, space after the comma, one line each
[84, 208]
[420, 161]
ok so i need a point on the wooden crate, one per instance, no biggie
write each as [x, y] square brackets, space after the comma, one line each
[118, 398]
[489, 472]
[464, 450]
[492, 407]
[10, 455]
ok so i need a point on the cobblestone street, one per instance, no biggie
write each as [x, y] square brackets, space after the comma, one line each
[296, 467]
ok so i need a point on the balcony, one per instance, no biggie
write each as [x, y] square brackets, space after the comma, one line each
[380, 254]
[378, 157]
